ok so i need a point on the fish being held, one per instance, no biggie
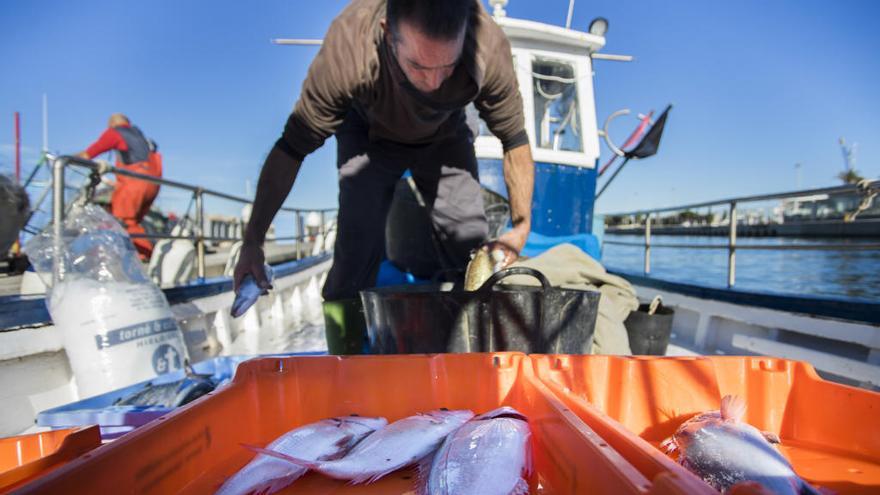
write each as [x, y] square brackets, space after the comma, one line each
[326, 439]
[488, 455]
[249, 292]
[483, 265]
[400, 444]
[724, 451]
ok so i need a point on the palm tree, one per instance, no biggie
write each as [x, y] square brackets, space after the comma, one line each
[850, 176]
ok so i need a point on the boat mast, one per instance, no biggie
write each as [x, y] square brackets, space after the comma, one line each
[45, 124]
[570, 12]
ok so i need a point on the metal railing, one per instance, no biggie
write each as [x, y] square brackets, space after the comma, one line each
[60, 163]
[867, 188]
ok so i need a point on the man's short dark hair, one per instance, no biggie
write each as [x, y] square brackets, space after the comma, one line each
[439, 19]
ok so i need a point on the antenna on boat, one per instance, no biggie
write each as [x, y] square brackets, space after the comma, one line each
[297, 41]
[570, 12]
[45, 123]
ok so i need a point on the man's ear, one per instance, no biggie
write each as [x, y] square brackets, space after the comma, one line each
[384, 24]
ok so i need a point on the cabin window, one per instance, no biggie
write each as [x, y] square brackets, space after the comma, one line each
[557, 120]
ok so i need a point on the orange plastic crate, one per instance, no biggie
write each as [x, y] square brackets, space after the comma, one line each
[194, 449]
[829, 432]
[27, 457]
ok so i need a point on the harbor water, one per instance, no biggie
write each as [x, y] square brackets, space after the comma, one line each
[827, 273]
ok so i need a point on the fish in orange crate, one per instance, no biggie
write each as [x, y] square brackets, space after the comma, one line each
[725, 452]
[488, 455]
[324, 440]
[402, 443]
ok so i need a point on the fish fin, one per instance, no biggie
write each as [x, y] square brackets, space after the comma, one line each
[771, 437]
[521, 488]
[339, 454]
[502, 412]
[530, 459]
[733, 408]
[423, 468]
[669, 446]
[432, 419]
[344, 442]
[370, 478]
[284, 457]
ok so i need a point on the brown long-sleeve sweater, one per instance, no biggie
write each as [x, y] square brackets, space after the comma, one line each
[355, 69]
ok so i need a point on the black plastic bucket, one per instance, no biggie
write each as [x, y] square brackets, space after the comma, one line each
[649, 334]
[436, 318]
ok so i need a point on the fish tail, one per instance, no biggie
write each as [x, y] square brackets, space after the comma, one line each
[669, 446]
[733, 408]
[242, 483]
[284, 457]
[423, 468]
[521, 488]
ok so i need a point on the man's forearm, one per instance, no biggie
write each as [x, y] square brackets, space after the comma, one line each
[519, 175]
[276, 180]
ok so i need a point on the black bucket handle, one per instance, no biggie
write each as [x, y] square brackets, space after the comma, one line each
[516, 270]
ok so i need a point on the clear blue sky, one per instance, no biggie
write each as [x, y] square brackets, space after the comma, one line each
[758, 86]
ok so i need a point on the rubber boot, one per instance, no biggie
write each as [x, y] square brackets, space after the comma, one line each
[345, 326]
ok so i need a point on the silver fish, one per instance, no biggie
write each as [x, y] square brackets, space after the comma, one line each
[479, 269]
[400, 444]
[724, 451]
[248, 293]
[488, 455]
[326, 439]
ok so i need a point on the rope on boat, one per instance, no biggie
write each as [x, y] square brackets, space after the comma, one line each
[868, 194]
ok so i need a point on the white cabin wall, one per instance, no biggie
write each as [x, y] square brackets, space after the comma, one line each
[587, 101]
[32, 384]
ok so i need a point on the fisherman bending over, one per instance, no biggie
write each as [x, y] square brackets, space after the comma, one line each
[391, 81]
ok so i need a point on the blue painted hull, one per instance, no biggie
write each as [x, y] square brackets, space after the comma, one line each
[562, 206]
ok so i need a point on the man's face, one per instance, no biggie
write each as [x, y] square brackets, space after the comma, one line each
[425, 61]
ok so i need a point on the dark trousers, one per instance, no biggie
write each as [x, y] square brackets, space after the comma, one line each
[445, 173]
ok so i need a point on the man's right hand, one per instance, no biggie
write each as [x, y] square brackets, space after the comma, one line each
[250, 262]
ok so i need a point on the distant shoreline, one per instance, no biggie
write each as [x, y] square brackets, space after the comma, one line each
[861, 228]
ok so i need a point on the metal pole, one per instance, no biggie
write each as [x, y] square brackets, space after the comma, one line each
[648, 245]
[322, 233]
[57, 214]
[731, 247]
[288, 41]
[45, 124]
[17, 246]
[200, 230]
[612, 178]
[300, 228]
[17, 148]
[570, 12]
